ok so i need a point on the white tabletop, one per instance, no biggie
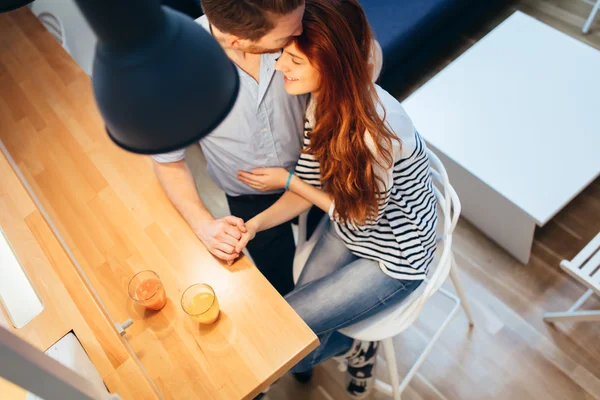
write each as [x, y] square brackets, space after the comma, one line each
[520, 110]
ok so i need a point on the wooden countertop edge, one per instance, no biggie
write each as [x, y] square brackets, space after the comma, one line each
[283, 369]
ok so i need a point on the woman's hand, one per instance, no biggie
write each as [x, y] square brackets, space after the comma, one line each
[247, 236]
[264, 179]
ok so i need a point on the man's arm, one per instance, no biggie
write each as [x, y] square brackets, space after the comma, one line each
[221, 235]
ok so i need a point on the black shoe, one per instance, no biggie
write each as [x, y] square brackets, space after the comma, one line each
[360, 377]
[303, 377]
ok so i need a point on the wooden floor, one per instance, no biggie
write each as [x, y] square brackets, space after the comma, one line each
[510, 353]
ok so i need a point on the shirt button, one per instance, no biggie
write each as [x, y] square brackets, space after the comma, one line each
[264, 130]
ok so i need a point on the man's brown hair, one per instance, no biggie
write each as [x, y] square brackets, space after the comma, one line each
[247, 19]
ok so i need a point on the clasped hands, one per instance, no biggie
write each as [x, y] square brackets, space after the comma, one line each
[226, 237]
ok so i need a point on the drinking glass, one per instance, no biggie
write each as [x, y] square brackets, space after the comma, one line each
[200, 303]
[146, 289]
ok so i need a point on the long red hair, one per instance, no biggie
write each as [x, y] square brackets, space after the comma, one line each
[337, 41]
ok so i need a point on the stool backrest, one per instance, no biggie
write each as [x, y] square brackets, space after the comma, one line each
[448, 213]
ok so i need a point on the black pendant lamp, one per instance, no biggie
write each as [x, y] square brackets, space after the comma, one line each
[9, 5]
[160, 80]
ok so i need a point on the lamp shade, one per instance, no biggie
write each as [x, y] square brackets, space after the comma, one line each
[8, 5]
[161, 82]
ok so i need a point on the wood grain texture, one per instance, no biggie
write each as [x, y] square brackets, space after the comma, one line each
[113, 216]
[68, 305]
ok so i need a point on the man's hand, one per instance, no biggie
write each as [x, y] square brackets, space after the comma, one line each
[264, 179]
[221, 237]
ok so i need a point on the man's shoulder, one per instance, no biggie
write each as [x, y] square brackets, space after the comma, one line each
[203, 22]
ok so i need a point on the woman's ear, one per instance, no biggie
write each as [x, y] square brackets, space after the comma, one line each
[375, 60]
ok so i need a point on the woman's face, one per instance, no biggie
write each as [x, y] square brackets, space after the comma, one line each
[300, 76]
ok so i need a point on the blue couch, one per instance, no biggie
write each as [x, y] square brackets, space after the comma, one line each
[413, 32]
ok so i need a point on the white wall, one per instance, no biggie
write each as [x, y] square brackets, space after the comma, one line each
[80, 38]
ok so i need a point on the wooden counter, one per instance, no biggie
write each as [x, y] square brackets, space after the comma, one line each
[68, 305]
[114, 218]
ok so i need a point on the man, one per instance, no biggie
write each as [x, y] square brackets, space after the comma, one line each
[264, 129]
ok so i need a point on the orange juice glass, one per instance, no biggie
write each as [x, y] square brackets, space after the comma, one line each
[146, 289]
[200, 302]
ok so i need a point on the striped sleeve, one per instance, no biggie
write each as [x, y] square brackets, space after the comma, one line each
[307, 168]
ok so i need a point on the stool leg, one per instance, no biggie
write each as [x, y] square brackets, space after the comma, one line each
[460, 292]
[390, 358]
[572, 315]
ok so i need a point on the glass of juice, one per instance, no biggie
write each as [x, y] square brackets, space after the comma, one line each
[200, 302]
[146, 289]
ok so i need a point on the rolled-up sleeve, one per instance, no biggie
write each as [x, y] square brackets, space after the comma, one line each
[173, 156]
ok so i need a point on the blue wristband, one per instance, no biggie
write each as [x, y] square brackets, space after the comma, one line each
[287, 185]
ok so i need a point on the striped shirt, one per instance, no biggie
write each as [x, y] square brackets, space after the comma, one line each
[402, 238]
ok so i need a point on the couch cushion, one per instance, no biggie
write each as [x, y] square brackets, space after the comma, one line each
[402, 25]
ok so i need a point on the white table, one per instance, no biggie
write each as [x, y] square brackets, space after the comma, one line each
[516, 121]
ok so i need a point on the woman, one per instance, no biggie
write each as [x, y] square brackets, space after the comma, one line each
[364, 164]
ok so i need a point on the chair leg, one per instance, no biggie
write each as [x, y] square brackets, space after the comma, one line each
[459, 290]
[396, 388]
[572, 315]
[581, 300]
[590, 19]
[390, 358]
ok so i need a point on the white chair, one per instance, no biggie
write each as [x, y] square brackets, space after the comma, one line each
[391, 322]
[585, 268]
[55, 26]
[588, 23]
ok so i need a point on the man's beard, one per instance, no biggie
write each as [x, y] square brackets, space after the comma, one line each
[253, 49]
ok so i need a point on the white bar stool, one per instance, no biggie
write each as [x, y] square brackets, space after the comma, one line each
[393, 321]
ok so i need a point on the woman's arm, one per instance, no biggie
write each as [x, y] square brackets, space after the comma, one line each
[315, 196]
[276, 178]
[299, 197]
[288, 206]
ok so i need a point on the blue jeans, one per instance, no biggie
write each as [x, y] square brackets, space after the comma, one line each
[337, 289]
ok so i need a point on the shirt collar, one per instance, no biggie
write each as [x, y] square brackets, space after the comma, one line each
[203, 22]
[267, 67]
